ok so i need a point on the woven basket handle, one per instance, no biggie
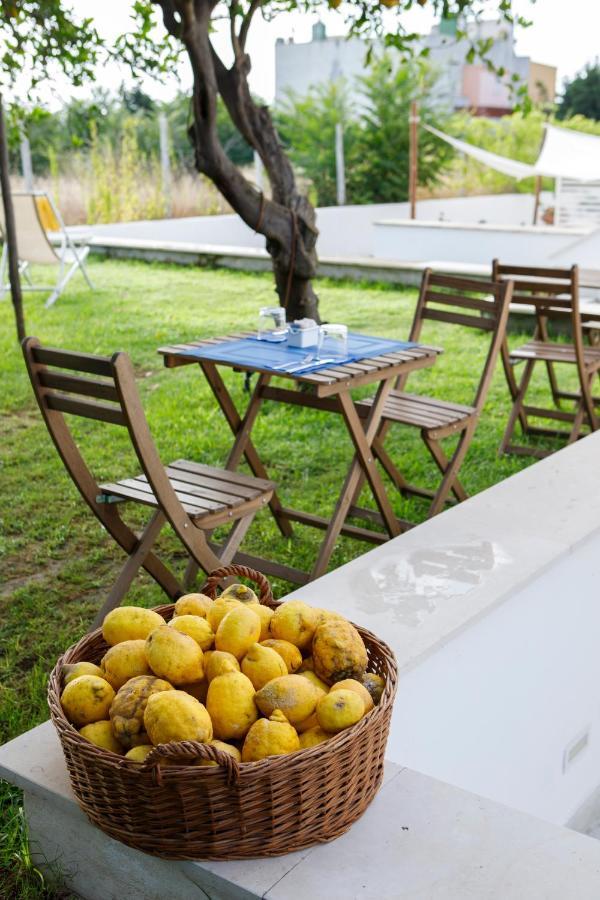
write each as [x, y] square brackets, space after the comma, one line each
[217, 575]
[191, 750]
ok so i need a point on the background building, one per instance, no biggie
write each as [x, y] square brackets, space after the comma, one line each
[460, 85]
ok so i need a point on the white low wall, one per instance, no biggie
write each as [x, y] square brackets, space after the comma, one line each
[492, 610]
[411, 241]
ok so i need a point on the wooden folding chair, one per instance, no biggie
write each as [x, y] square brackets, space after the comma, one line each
[193, 498]
[554, 295]
[457, 301]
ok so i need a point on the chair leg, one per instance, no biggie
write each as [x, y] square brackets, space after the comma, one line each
[511, 381]
[442, 463]
[451, 471]
[227, 551]
[517, 409]
[132, 566]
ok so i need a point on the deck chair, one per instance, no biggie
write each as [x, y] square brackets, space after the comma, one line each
[456, 301]
[193, 498]
[554, 295]
[35, 217]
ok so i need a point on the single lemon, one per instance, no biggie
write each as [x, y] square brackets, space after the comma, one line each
[226, 748]
[195, 627]
[294, 695]
[193, 605]
[220, 663]
[314, 679]
[101, 734]
[230, 703]
[270, 737]
[288, 652]
[124, 661]
[261, 664]
[265, 614]
[219, 610]
[87, 699]
[294, 621]
[74, 670]
[174, 656]
[339, 709]
[238, 630]
[239, 592]
[128, 707]
[138, 754]
[350, 684]
[176, 716]
[129, 623]
[312, 737]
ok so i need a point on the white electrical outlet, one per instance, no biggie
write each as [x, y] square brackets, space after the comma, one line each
[575, 748]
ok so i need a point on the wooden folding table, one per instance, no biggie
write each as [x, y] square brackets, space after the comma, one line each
[328, 389]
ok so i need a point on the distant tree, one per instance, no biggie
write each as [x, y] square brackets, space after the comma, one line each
[581, 95]
[374, 113]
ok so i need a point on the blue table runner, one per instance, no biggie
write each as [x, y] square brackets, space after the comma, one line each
[273, 355]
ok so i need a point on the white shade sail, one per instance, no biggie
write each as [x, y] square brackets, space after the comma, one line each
[564, 154]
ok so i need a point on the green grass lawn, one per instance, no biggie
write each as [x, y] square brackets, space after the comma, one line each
[56, 564]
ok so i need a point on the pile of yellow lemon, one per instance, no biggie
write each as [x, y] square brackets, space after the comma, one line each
[253, 681]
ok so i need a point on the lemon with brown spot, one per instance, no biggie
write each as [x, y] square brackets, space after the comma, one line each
[238, 630]
[350, 684]
[220, 663]
[295, 621]
[124, 661]
[226, 748]
[270, 737]
[339, 652]
[101, 734]
[231, 706]
[261, 664]
[288, 652]
[294, 695]
[193, 605]
[129, 623]
[195, 627]
[128, 707]
[338, 710]
[74, 670]
[375, 685]
[174, 656]
[312, 737]
[176, 716]
[87, 699]
[239, 592]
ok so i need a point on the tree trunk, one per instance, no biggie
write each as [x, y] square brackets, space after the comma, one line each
[287, 220]
[10, 235]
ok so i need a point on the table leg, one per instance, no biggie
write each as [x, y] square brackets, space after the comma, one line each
[243, 446]
[362, 464]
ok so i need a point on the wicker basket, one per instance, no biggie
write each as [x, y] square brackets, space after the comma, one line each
[230, 811]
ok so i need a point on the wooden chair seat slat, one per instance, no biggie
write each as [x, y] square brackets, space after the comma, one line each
[217, 486]
[426, 412]
[237, 478]
[131, 489]
[102, 412]
[190, 493]
[554, 352]
[101, 390]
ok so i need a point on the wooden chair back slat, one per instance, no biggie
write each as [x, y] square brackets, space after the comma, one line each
[88, 409]
[543, 301]
[531, 271]
[67, 359]
[459, 300]
[72, 384]
[463, 284]
[438, 315]
[541, 286]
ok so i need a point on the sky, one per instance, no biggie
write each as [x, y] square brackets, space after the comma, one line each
[566, 38]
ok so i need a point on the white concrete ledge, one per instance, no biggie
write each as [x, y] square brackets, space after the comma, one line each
[419, 838]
